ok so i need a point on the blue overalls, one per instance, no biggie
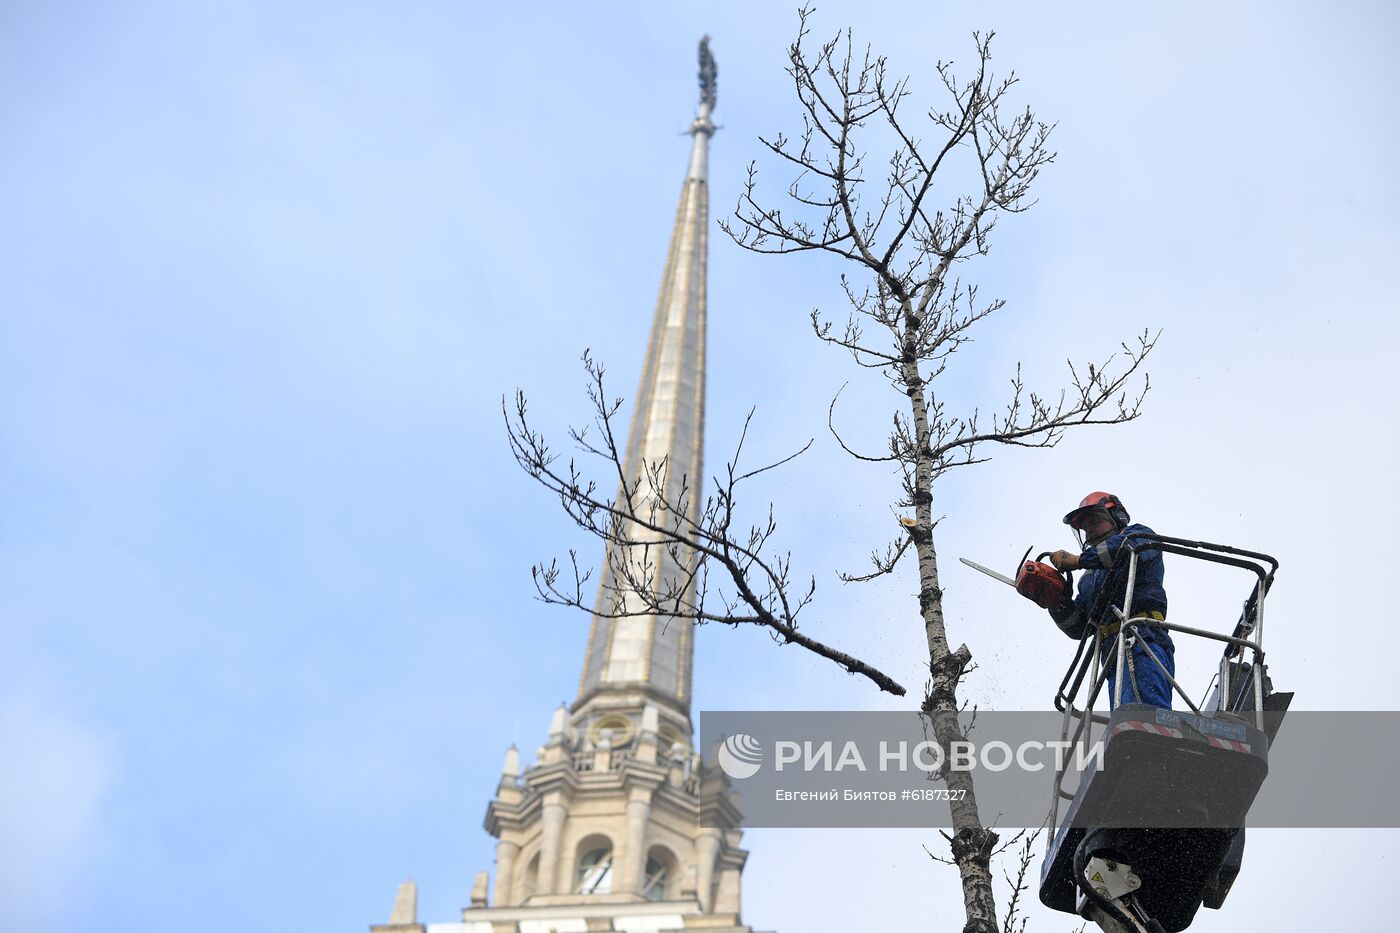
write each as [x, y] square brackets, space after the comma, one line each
[1103, 584]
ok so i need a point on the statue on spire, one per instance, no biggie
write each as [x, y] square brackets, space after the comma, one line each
[708, 71]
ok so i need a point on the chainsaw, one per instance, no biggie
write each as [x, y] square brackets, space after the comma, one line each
[1038, 581]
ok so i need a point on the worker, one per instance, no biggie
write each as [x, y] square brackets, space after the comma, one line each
[1101, 525]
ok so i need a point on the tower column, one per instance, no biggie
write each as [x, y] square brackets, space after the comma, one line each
[706, 852]
[727, 900]
[552, 815]
[505, 871]
[634, 854]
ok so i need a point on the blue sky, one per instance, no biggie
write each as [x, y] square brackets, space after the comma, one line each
[266, 624]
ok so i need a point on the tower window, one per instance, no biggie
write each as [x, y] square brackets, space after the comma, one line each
[595, 872]
[620, 731]
[654, 884]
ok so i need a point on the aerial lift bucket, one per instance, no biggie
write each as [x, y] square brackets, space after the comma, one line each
[1159, 829]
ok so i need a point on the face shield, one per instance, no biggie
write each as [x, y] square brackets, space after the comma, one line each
[1079, 537]
[1091, 525]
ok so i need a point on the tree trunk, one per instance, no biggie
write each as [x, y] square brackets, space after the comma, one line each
[971, 842]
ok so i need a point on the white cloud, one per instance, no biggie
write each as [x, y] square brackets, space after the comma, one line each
[55, 775]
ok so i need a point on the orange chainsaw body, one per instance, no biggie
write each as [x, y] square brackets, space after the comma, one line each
[1042, 584]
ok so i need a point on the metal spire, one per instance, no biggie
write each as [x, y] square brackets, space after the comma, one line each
[654, 651]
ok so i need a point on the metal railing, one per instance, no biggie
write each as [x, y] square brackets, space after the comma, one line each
[1250, 623]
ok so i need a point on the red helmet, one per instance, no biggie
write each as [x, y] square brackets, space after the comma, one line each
[1106, 502]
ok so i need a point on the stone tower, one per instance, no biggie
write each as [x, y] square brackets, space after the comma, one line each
[615, 825]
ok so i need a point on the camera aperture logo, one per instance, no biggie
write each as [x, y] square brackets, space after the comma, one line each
[740, 756]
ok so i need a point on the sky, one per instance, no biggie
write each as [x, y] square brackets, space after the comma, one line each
[267, 271]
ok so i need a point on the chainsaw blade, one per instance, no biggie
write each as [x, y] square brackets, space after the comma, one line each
[989, 572]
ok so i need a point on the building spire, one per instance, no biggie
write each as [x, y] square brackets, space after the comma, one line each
[617, 816]
[654, 652]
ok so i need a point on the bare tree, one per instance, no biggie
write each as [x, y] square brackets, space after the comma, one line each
[910, 313]
[906, 321]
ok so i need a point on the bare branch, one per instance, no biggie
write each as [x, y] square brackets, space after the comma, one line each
[659, 544]
[831, 426]
[884, 563]
[1018, 884]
